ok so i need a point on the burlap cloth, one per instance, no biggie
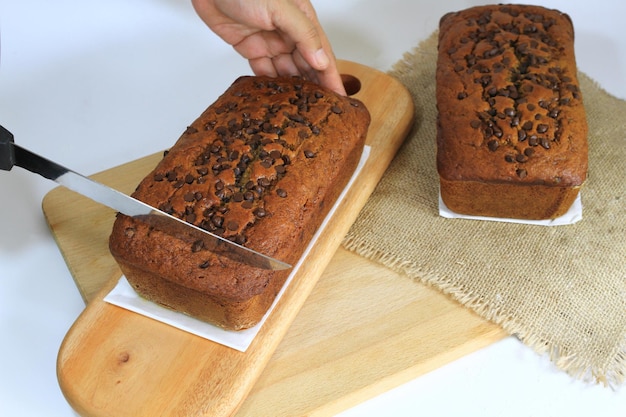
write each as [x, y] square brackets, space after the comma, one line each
[561, 290]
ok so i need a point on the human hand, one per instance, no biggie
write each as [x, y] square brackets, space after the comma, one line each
[278, 37]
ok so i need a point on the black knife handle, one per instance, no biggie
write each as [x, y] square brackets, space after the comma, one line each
[7, 152]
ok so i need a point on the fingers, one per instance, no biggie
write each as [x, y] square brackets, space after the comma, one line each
[294, 64]
[282, 65]
[314, 56]
[278, 37]
[297, 21]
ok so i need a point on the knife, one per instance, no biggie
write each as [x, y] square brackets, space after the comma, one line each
[12, 154]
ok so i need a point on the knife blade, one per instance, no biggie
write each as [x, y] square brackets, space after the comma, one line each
[12, 154]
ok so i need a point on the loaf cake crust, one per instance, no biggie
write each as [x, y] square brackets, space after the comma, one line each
[261, 166]
[511, 129]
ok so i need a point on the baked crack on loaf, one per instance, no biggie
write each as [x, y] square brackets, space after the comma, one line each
[511, 129]
[262, 166]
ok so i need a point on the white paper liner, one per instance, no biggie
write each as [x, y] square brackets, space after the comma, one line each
[123, 295]
[573, 215]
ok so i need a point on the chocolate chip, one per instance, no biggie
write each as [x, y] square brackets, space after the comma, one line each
[275, 154]
[204, 265]
[281, 193]
[520, 158]
[309, 153]
[280, 169]
[167, 207]
[509, 158]
[190, 218]
[159, 177]
[521, 135]
[336, 109]
[545, 143]
[189, 179]
[493, 145]
[542, 128]
[217, 221]
[233, 225]
[240, 239]
[295, 118]
[238, 197]
[247, 204]
[527, 125]
[461, 95]
[197, 246]
[521, 172]
[475, 124]
[260, 212]
[189, 197]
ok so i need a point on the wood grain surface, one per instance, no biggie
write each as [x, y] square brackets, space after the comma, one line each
[345, 329]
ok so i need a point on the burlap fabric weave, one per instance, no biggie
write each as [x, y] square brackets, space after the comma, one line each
[560, 289]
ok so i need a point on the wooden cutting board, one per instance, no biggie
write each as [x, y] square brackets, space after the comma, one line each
[345, 329]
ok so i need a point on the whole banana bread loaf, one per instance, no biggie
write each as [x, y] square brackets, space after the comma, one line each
[262, 166]
[511, 129]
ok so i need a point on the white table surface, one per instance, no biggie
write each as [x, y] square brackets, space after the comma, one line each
[96, 84]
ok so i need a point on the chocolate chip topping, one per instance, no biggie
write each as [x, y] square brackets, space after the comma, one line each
[248, 155]
[525, 101]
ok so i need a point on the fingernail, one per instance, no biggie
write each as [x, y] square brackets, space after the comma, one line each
[321, 58]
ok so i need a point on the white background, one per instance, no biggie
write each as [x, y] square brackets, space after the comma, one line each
[96, 84]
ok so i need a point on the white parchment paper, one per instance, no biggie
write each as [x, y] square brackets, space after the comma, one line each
[573, 215]
[123, 295]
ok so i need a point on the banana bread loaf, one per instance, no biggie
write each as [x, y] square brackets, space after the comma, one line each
[511, 129]
[262, 166]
